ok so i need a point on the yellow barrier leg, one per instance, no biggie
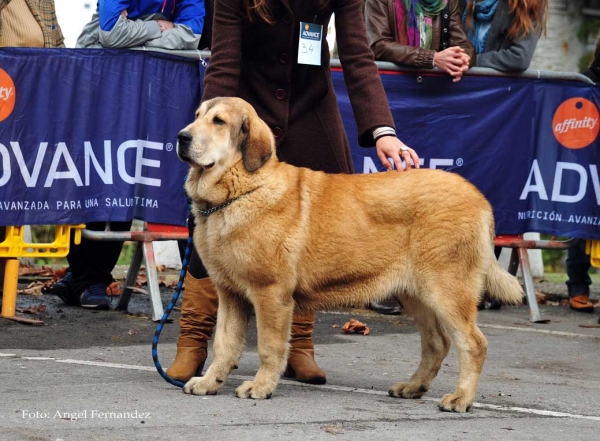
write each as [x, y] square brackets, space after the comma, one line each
[11, 279]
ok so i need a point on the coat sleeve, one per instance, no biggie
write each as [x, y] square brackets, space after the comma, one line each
[223, 73]
[367, 96]
[515, 58]
[382, 38]
[128, 33]
[181, 37]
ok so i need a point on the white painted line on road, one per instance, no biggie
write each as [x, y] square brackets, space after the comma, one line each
[110, 365]
[495, 407]
[539, 331]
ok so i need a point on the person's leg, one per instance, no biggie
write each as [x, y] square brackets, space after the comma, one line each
[301, 360]
[196, 323]
[579, 281]
[90, 267]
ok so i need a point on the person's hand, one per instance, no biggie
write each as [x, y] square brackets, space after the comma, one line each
[392, 147]
[454, 61]
[124, 14]
[164, 25]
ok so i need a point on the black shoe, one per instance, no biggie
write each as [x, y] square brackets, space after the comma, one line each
[388, 307]
[495, 304]
[95, 297]
[64, 289]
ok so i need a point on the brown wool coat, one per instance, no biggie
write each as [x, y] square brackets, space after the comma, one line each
[257, 62]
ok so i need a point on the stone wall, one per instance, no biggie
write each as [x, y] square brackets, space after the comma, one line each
[560, 50]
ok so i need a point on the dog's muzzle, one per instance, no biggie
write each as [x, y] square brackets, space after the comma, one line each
[184, 142]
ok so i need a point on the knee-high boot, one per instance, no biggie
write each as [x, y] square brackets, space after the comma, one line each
[196, 325]
[301, 360]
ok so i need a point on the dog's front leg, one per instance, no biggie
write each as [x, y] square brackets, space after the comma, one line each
[232, 322]
[273, 321]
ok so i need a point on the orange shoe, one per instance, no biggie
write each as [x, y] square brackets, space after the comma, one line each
[581, 303]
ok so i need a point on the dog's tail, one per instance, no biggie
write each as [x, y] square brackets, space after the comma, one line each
[502, 285]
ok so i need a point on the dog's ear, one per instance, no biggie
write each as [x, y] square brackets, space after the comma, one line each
[257, 142]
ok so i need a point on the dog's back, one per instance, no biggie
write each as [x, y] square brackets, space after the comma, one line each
[390, 233]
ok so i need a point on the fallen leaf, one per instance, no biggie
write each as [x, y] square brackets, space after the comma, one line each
[26, 270]
[335, 326]
[131, 332]
[33, 309]
[115, 289]
[540, 297]
[33, 289]
[334, 430]
[356, 326]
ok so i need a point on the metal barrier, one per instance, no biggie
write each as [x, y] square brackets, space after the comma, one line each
[144, 251]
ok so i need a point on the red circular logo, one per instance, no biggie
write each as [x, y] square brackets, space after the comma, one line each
[7, 95]
[576, 123]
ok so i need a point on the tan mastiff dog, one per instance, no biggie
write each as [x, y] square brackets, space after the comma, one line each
[273, 237]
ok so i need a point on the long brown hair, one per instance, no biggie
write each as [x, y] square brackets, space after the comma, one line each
[528, 15]
[262, 9]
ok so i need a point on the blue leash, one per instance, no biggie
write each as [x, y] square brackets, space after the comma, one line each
[159, 327]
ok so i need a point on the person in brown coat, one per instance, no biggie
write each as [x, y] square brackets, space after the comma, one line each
[255, 56]
[421, 35]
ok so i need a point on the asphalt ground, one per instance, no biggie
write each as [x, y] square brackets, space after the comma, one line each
[87, 375]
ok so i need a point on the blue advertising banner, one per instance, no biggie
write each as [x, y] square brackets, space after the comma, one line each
[530, 145]
[90, 135]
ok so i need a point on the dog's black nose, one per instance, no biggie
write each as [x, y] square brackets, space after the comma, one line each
[184, 137]
[184, 141]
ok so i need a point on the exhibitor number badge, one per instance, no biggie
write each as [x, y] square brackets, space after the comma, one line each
[309, 46]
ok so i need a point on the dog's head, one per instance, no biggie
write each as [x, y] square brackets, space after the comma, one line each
[224, 130]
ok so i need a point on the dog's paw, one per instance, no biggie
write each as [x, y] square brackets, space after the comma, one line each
[407, 390]
[254, 390]
[200, 386]
[455, 403]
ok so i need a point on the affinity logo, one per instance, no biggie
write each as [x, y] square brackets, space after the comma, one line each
[576, 123]
[7, 95]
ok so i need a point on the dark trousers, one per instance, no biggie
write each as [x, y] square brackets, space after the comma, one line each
[195, 265]
[92, 261]
[578, 265]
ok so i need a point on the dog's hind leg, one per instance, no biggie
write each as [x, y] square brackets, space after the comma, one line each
[273, 320]
[435, 345]
[471, 345]
[232, 322]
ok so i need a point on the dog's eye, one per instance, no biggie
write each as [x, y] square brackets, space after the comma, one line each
[218, 121]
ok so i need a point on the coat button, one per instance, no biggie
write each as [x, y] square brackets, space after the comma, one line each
[287, 19]
[280, 94]
[277, 132]
[284, 58]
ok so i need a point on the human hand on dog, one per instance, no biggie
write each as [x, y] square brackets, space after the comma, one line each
[391, 147]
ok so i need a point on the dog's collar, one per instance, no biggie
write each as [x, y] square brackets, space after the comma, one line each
[209, 211]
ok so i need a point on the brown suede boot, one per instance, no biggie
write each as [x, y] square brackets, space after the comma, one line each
[301, 360]
[196, 325]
